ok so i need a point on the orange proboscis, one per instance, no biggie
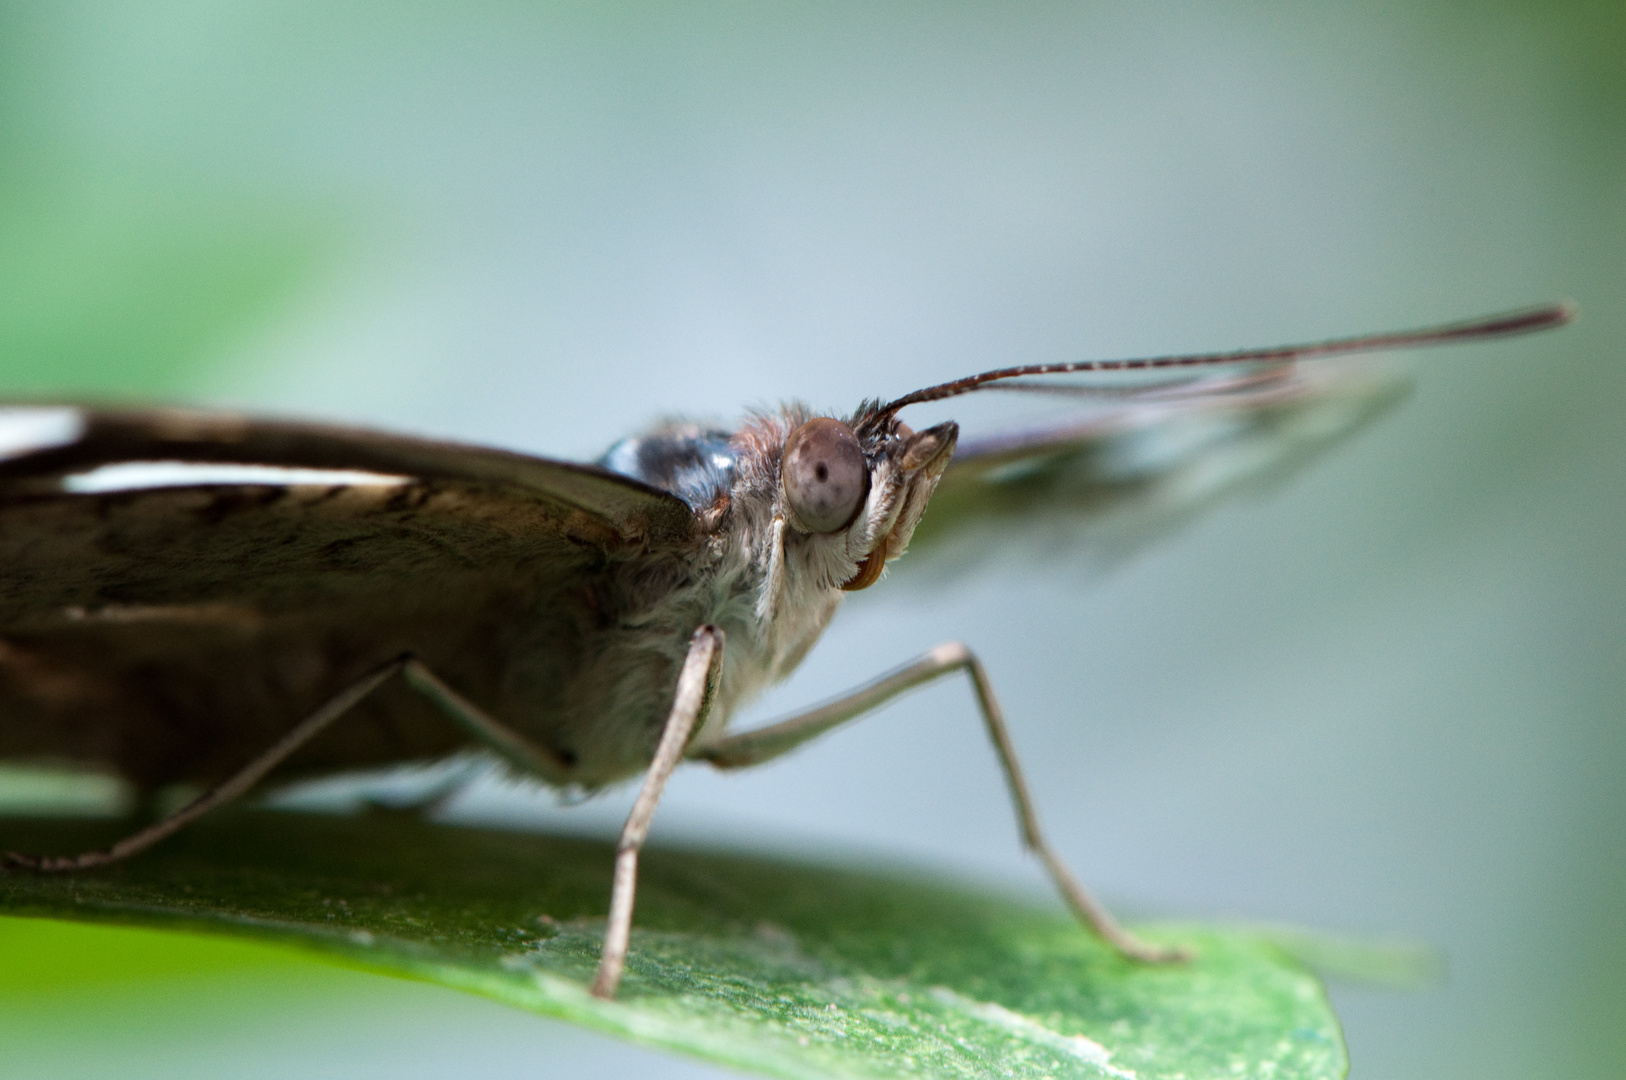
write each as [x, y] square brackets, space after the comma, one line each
[869, 571]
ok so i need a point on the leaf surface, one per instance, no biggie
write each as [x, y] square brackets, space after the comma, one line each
[791, 970]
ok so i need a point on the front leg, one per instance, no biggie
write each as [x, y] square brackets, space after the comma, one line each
[765, 744]
[696, 687]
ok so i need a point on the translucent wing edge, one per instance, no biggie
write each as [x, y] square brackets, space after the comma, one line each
[1109, 482]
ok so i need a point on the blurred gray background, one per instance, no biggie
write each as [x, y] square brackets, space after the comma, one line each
[1384, 699]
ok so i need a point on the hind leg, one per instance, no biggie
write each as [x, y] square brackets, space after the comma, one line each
[503, 741]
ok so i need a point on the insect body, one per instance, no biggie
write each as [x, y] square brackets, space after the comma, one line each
[195, 597]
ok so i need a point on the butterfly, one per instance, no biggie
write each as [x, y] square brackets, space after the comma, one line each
[201, 598]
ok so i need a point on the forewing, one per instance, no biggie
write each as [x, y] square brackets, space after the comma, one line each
[56, 441]
[1136, 466]
[171, 632]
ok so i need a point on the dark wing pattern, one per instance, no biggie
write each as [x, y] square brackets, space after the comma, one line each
[1138, 465]
[169, 633]
[85, 438]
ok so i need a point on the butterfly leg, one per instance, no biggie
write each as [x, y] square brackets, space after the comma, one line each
[217, 796]
[767, 743]
[495, 736]
[697, 685]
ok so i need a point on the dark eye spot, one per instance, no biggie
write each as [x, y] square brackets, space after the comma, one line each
[824, 476]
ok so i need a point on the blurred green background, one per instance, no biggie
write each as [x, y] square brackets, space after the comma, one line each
[1388, 698]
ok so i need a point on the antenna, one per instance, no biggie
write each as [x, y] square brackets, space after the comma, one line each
[1506, 324]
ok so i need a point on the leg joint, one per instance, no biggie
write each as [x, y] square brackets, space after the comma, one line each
[953, 654]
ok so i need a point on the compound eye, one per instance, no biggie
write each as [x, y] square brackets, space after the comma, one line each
[824, 475]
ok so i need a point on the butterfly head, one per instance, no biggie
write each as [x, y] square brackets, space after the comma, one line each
[850, 493]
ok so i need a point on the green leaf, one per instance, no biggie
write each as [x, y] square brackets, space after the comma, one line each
[786, 969]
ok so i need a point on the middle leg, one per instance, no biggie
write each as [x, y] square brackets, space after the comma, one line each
[696, 687]
[764, 744]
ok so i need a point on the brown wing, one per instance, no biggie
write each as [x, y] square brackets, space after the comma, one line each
[1137, 466]
[170, 633]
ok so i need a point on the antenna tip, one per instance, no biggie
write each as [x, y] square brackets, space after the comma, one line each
[1525, 321]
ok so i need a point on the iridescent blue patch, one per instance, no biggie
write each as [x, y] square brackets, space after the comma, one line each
[695, 465]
